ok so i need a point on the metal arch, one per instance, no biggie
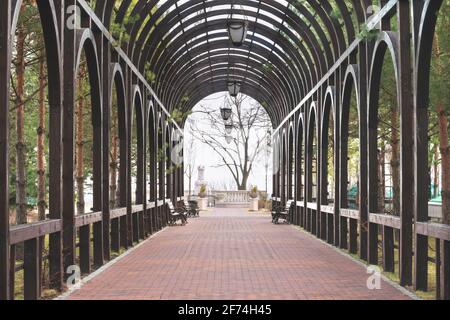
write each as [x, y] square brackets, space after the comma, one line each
[312, 131]
[351, 81]
[273, 95]
[330, 27]
[258, 54]
[199, 2]
[224, 42]
[85, 41]
[222, 57]
[273, 78]
[152, 160]
[117, 79]
[199, 93]
[276, 76]
[219, 26]
[15, 10]
[222, 77]
[150, 111]
[329, 109]
[323, 9]
[335, 33]
[138, 121]
[313, 112]
[250, 89]
[300, 146]
[238, 74]
[193, 20]
[270, 101]
[124, 8]
[423, 44]
[347, 65]
[102, 8]
[290, 154]
[305, 12]
[138, 104]
[259, 29]
[330, 97]
[387, 42]
[255, 55]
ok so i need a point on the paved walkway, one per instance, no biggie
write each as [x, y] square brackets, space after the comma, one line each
[231, 254]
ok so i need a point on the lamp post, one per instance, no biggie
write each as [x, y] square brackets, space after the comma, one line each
[226, 113]
[237, 31]
[228, 128]
[234, 87]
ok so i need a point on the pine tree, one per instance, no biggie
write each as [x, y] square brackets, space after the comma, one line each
[79, 141]
[21, 196]
[41, 140]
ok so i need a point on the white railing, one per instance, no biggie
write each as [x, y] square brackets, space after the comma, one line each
[231, 197]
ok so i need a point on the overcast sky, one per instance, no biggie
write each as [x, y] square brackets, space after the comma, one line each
[204, 156]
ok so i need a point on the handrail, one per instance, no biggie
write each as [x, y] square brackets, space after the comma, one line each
[137, 208]
[24, 232]
[435, 230]
[385, 220]
[350, 213]
[327, 209]
[86, 219]
[311, 205]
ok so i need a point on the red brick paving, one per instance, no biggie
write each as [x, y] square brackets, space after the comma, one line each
[230, 254]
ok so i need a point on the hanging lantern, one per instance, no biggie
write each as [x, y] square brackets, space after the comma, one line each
[228, 139]
[234, 88]
[228, 128]
[226, 113]
[237, 30]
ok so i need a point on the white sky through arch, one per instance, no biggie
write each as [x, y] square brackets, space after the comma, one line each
[220, 177]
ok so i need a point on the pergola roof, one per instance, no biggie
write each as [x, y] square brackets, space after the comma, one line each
[289, 47]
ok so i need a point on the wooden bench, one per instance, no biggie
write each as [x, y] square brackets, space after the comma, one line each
[176, 215]
[281, 212]
[192, 208]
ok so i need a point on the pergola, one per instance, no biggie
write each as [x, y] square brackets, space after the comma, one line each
[301, 60]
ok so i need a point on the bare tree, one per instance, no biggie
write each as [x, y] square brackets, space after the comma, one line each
[267, 156]
[189, 158]
[246, 142]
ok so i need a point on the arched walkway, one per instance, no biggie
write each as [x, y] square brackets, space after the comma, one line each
[316, 66]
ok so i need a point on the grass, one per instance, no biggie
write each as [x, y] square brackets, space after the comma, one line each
[430, 294]
[47, 293]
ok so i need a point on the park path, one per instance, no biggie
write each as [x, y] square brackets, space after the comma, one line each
[232, 254]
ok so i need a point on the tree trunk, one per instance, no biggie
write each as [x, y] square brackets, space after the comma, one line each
[21, 196]
[113, 165]
[443, 141]
[79, 171]
[190, 179]
[445, 163]
[40, 140]
[381, 181]
[395, 161]
[42, 205]
[435, 169]
[243, 184]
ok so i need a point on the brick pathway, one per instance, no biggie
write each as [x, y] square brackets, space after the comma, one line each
[232, 254]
